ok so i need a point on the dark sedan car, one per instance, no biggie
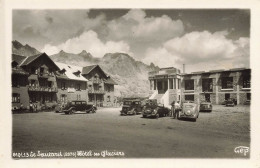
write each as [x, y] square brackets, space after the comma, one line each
[152, 109]
[73, 106]
[206, 106]
[230, 103]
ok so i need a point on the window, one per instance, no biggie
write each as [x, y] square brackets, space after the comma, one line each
[91, 98]
[159, 85]
[207, 85]
[32, 83]
[151, 84]
[78, 86]
[108, 88]
[83, 102]
[227, 83]
[108, 98]
[189, 84]
[41, 70]
[78, 97]
[227, 96]
[63, 98]
[171, 83]
[179, 83]
[49, 84]
[33, 70]
[174, 83]
[16, 98]
[248, 96]
[15, 81]
[33, 98]
[207, 97]
[246, 81]
[155, 85]
[189, 97]
[63, 85]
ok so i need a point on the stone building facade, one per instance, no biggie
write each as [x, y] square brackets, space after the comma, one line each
[215, 86]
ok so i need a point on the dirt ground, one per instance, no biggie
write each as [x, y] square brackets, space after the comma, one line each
[214, 135]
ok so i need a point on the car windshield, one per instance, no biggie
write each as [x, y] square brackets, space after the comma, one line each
[136, 102]
[188, 106]
[127, 103]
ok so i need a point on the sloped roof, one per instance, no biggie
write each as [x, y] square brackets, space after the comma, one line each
[87, 69]
[110, 81]
[19, 70]
[29, 59]
[70, 70]
[18, 58]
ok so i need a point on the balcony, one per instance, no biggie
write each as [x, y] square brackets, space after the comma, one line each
[45, 75]
[97, 81]
[71, 90]
[91, 91]
[42, 89]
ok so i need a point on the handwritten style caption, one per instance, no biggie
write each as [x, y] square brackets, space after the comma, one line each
[76, 154]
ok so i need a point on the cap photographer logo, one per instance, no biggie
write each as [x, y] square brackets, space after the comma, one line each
[241, 150]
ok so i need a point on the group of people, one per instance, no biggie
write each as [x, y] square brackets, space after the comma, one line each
[33, 107]
[176, 107]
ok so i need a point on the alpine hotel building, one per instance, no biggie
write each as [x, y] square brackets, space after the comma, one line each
[168, 85]
[45, 83]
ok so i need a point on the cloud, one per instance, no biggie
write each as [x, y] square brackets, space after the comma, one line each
[52, 26]
[213, 50]
[136, 24]
[90, 42]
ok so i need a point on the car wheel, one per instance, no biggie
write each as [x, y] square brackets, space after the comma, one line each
[178, 115]
[73, 111]
[144, 116]
[93, 110]
[194, 119]
[157, 115]
[134, 112]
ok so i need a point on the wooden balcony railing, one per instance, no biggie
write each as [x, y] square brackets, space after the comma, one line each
[42, 89]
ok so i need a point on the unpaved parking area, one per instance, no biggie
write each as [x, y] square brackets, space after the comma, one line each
[214, 135]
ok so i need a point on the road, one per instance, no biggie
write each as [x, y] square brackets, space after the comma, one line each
[214, 135]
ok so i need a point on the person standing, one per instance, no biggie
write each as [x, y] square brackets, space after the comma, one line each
[177, 108]
[173, 109]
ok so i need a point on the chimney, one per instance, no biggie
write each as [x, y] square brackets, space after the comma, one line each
[183, 69]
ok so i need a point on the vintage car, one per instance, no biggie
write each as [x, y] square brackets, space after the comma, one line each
[131, 106]
[206, 106]
[152, 109]
[230, 103]
[77, 105]
[189, 110]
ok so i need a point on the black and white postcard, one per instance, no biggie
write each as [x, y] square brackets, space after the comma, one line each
[139, 84]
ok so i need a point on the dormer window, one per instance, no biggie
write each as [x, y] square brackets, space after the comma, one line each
[77, 73]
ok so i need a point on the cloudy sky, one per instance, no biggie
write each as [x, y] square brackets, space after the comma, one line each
[200, 39]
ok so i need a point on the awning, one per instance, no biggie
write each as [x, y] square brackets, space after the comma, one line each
[33, 77]
[52, 78]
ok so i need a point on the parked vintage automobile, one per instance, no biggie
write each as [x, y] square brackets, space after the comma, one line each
[230, 103]
[189, 110]
[206, 106]
[131, 106]
[152, 109]
[77, 105]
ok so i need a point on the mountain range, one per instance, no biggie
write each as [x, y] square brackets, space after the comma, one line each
[130, 74]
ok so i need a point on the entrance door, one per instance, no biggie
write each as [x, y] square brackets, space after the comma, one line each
[207, 97]
[165, 86]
